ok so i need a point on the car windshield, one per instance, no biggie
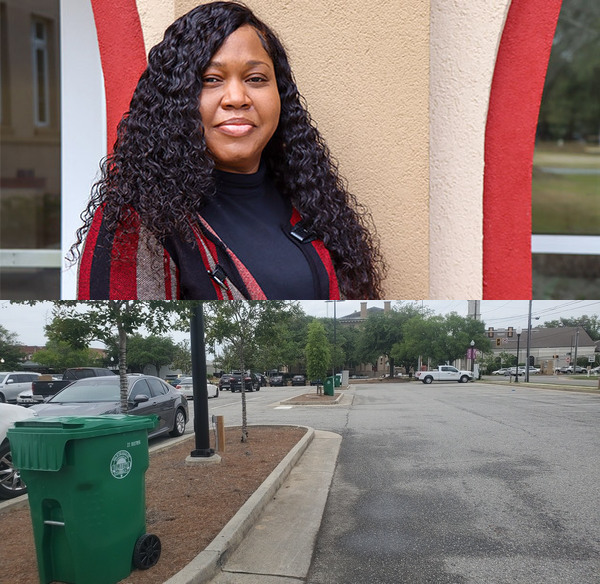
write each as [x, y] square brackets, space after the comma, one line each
[97, 389]
[2, 376]
[186, 380]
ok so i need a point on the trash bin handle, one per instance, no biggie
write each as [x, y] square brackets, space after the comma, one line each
[59, 523]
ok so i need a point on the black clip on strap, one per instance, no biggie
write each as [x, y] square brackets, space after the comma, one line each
[219, 276]
[302, 234]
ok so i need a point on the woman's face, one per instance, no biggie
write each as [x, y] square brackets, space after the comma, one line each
[239, 103]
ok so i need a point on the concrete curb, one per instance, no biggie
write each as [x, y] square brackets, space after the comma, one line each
[208, 563]
[290, 401]
[540, 385]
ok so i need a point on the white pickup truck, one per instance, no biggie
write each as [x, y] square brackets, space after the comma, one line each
[444, 373]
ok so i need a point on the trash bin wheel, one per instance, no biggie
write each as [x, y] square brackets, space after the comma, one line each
[146, 551]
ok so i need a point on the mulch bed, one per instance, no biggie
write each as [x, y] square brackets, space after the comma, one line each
[312, 398]
[186, 505]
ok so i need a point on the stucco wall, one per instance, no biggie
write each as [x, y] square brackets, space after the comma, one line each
[365, 76]
[463, 45]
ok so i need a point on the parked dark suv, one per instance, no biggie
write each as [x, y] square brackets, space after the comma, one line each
[277, 379]
[233, 381]
[298, 380]
[226, 380]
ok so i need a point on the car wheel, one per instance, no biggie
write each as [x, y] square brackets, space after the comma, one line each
[11, 484]
[146, 551]
[428, 379]
[2, 399]
[464, 379]
[179, 425]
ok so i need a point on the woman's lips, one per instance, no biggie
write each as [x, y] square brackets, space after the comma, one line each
[235, 128]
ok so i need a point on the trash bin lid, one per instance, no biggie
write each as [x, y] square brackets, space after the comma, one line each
[40, 444]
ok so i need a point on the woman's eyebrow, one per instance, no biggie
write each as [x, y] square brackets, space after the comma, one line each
[251, 63]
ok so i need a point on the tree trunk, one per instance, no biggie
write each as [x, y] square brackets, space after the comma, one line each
[244, 417]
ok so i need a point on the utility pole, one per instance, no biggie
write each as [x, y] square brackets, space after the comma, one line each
[575, 356]
[528, 344]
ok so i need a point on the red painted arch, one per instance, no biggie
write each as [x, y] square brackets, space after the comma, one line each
[514, 105]
[122, 54]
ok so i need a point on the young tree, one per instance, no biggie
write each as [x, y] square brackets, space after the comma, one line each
[237, 324]
[318, 353]
[127, 317]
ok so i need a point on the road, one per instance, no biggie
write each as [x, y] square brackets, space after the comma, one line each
[453, 483]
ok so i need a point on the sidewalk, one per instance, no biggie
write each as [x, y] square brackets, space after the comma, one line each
[277, 548]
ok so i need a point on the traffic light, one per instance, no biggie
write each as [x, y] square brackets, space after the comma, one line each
[498, 342]
[490, 332]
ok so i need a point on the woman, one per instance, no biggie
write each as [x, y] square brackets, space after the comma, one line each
[219, 186]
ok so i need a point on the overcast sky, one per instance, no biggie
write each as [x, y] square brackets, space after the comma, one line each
[27, 322]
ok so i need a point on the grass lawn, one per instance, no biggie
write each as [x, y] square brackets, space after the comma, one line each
[566, 203]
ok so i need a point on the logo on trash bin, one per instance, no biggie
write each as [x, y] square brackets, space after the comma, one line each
[120, 465]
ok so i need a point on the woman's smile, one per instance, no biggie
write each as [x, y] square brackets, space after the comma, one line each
[237, 127]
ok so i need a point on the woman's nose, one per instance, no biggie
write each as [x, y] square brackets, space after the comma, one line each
[235, 95]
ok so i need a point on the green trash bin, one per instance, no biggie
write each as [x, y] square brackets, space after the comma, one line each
[328, 386]
[338, 379]
[86, 483]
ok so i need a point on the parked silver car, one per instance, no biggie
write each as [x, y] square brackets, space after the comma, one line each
[12, 383]
[96, 396]
[11, 484]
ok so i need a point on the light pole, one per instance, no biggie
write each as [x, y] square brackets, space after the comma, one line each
[472, 357]
[519, 330]
[200, 391]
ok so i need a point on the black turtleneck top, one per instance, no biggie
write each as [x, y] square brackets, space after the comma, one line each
[249, 214]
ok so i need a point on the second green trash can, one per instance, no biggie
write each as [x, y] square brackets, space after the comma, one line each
[86, 484]
[328, 386]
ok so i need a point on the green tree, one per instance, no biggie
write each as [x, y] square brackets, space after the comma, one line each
[152, 350]
[61, 355]
[9, 351]
[443, 338]
[570, 106]
[381, 331]
[237, 324]
[74, 331]
[281, 340]
[318, 353]
[126, 317]
[591, 324]
[182, 359]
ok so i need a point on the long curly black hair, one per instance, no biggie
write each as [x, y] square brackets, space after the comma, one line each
[161, 167]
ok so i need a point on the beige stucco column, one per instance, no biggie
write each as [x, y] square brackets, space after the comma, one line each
[464, 43]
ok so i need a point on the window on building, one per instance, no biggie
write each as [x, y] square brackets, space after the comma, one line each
[40, 84]
[566, 171]
[30, 150]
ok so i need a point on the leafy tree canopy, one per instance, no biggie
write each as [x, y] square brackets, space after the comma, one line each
[60, 355]
[9, 350]
[591, 324]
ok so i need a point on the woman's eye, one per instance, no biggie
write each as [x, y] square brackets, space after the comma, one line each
[257, 79]
[210, 79]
